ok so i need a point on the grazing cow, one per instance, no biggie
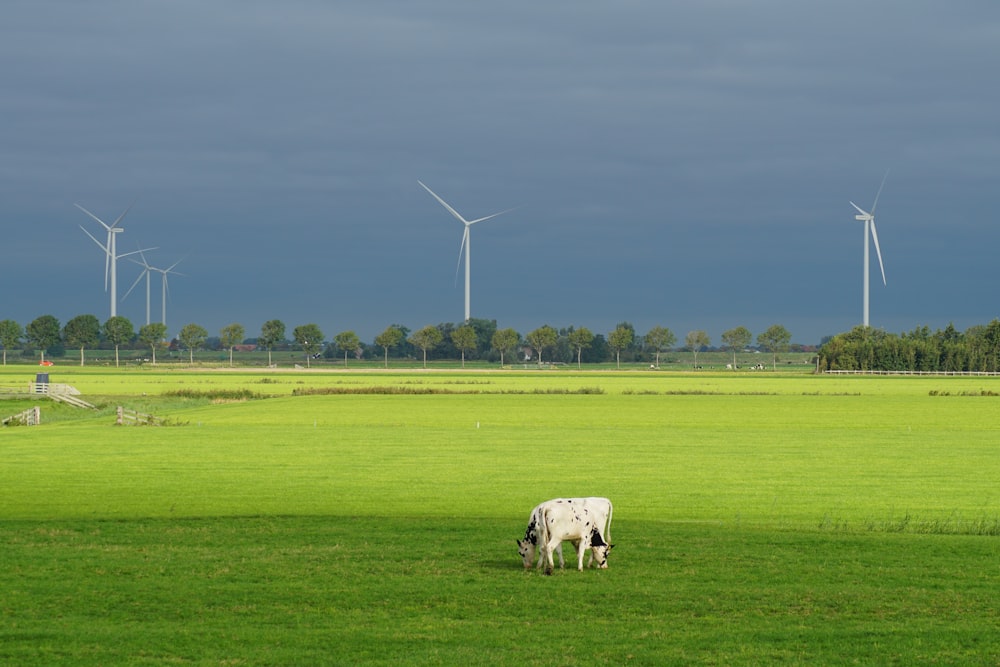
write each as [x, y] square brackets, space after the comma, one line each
[565, 521]
[599, 508]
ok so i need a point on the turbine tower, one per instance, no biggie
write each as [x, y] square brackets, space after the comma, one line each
[465, 247]
[111, 255]
[868, 217]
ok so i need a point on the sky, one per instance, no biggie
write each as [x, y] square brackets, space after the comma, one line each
[680, 164]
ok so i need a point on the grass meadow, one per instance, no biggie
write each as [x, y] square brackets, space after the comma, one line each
[370, 517]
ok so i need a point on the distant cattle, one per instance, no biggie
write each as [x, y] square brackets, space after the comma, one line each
[599, 511]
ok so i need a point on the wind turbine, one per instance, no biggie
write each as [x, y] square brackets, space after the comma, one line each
[146, 268]
[465, 247]
[868, 217]
[164, 273]
[111, 255]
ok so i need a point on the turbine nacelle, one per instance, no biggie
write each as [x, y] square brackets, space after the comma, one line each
[863, 215]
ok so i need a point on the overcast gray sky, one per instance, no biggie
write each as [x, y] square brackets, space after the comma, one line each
[678, 164]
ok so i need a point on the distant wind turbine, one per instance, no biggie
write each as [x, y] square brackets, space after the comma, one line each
[146, 268]
[165, 289]
[868, 217]
[111, 255]
[465, 247]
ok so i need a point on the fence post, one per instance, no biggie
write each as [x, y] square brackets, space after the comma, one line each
[37, 415]
[121, 415]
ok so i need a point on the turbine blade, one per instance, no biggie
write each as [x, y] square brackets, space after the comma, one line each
[445, 204]
[878, 252]
[119, 218]
[860, 210]
[472, 222]
[142, 254]
[107, 256]
[134, 252]
[104, 224]
[170, 270]
[879, 193]
[94, 239]
[461, 249]
[134, 284]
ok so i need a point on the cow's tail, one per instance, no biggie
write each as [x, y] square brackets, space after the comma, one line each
[543, 534]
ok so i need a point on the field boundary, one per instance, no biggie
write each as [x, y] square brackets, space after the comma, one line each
[29, 417]
[128, 417]
[915, 373]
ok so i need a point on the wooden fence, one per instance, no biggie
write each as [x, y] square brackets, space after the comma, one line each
[127, 417]
[62, 393]
[29, 417]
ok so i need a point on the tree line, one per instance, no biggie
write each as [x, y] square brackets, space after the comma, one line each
[977, 349]
[478, 339]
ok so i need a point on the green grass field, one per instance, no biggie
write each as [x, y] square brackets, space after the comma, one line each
[370, 518]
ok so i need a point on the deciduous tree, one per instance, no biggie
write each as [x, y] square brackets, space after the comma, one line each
[736, 339]
[580, 339]
[347, 341]
[619, 339]
[192, 337]
[660, 339]
[271, 333]
[389, 338]
[310, 339]
[426, 339]
[119, 331]
[776, 339]
[10, 336]
[504, 340]
[43, 333]
[230, 336]
[81, 332]
[152, 335]
[464, 339]
[694, 341]
[542, 338]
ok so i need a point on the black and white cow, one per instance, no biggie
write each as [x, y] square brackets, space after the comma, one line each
[565, 521]
[600, 509]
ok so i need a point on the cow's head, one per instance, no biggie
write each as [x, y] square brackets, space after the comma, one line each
[601, 554]
[526, 549]
[600, 549]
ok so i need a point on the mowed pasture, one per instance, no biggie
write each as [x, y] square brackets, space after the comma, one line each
[371, 518]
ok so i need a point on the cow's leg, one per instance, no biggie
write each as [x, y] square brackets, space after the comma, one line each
[547, 552]
[582, 546]
[559, 552]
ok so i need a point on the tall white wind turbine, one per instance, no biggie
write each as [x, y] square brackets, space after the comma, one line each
[111, 255]
[868, 217]
[465, 247]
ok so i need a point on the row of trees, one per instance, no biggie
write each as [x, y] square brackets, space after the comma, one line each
[863, 348]
[977, 349]
[475, 339]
